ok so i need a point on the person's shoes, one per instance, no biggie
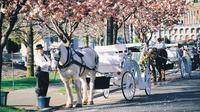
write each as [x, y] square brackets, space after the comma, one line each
[85, 103]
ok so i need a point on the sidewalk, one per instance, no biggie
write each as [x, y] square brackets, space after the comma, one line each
[26, 98]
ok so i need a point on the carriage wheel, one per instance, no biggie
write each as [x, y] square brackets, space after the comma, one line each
[128, 85]
[106, 93]
[148, 84]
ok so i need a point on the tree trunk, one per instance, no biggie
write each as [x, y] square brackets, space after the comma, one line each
[1, 53]
[124, 32]
[30, 56]
[87, 40]
[115, 32]
[159, 33]
[131, 32]
[110, 31]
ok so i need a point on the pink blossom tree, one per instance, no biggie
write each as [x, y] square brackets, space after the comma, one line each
[145, 15]
[156, 14]
[9, 11]
[112, 10]
[62, 17]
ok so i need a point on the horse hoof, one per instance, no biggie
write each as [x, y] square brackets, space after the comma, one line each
[85, 103]
[163, 79]
[91, 103]
[69, 106]
[78, 105]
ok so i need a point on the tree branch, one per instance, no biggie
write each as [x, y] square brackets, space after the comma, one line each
[13, 20]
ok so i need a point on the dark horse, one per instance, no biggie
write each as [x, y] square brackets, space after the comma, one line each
[158, 59]
[161, 61]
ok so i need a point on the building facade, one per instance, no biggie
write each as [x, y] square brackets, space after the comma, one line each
[188, 26]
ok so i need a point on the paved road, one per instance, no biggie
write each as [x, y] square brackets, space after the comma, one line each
[174, 95]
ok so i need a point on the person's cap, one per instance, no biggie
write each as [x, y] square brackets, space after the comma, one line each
[39, 46]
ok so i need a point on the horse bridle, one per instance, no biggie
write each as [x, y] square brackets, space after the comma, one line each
[69, 57]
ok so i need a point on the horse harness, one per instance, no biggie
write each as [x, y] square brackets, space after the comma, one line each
[71, 60]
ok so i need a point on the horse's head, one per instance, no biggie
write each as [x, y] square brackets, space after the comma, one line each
[152, 53]
[55, 52]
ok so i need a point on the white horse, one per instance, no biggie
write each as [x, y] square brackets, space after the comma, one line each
[75, 65]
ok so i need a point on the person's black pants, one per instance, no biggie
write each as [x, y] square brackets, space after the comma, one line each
[42, 83]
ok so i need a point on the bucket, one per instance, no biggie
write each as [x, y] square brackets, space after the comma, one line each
[43, 101]
[3, 98]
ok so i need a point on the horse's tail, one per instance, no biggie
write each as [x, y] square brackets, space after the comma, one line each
[165, 52]
[96, 60]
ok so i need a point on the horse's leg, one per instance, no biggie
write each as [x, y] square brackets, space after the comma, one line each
[163, 74]
[153, 73]
[84, 87]
[78, 92]
[69, 102]
[163, 71]
[159, 72]
[91, 84]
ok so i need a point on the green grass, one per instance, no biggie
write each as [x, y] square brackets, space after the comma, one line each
[11, 109]
[63, 91]
[19, 83]
[23, 82]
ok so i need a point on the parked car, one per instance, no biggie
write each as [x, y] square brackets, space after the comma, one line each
[19, 62]
[6, 59]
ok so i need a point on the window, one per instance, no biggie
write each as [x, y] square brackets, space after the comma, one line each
[192, 30]
[192, 37]
[186, 30]
[181, 37]
[198, 30]
[181, 31]
[175, 31]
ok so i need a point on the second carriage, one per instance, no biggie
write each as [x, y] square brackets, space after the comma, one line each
[181, 58]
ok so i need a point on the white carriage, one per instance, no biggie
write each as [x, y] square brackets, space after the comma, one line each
[183, 63]
[117, 67]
